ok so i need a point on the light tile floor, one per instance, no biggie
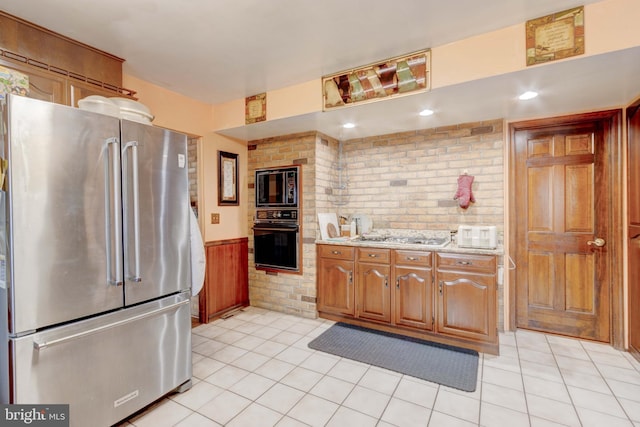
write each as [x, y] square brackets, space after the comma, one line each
[254, 369]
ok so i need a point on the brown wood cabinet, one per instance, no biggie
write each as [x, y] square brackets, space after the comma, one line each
[467, 296]
[42, 85]
[53, 87]
[414, 297]
[335, 270]
[226, 285]
[76, 90]
[372, 284]
[60, 69]
[44, 48]
[394, 291]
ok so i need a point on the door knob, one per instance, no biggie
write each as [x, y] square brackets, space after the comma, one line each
[599, 242]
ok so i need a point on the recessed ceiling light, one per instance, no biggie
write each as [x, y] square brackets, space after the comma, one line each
[426, 112]
[528, 95]
[348, 125]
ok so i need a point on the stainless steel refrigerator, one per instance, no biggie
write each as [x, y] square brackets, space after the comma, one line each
[94, 261]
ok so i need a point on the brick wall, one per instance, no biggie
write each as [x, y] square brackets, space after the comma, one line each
[408, 180]
[290, 293]
[402, 181]
[192, 152]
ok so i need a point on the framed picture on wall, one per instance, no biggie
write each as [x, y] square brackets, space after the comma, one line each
[227, 179]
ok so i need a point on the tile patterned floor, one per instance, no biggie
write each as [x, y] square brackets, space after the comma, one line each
[254, 369]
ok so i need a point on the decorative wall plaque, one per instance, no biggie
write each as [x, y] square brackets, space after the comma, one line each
[389, 78]
[255, 108]
[555, 36]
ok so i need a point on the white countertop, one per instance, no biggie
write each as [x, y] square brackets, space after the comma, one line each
[451, 247]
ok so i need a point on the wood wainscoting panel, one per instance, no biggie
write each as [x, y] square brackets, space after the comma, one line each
[226, 285]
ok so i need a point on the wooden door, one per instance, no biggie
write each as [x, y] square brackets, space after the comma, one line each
[633, 162]
[563, 202]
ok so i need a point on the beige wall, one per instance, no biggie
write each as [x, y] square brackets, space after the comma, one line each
[610, 25]
[172, 110]
[177, 112]
[232, 218]
[286, 102]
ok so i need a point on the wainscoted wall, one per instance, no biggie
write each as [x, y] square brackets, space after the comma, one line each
[403, 181]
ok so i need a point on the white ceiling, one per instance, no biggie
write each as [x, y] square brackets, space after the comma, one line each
[219, 50]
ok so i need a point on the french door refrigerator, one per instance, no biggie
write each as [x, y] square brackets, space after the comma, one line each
[94, 261]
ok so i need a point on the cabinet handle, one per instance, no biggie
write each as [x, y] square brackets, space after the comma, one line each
[373, 256]
[410, 258]
[336, 252]
[386, 282]
[464, 263]
[397, 283]
[350, 277]
[440, 287]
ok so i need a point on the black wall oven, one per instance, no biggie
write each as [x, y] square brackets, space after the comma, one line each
[276, 240]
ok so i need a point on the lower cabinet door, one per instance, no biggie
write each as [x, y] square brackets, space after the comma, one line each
[413, 298]
[335, 286]
[466, 305]
[374, 292]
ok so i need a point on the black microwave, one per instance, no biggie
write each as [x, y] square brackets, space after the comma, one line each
[277, 187]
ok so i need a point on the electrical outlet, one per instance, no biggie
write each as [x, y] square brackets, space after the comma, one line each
[215, 218]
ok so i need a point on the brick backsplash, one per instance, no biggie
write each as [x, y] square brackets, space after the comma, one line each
[403, 180]
[408, 180]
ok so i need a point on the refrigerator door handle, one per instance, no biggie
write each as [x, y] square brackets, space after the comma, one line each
[113, 220]
[40, 345]
[131, 146]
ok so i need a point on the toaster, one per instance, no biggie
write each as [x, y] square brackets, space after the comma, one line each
[477, 236]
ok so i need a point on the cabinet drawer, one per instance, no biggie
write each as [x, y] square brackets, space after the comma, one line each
[413, 258]
[467, 262]
[336, 252]
[374, 255]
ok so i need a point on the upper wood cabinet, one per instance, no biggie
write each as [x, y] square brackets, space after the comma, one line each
[59, 69]
[47, 47]
[42, 85]
[77, 90]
